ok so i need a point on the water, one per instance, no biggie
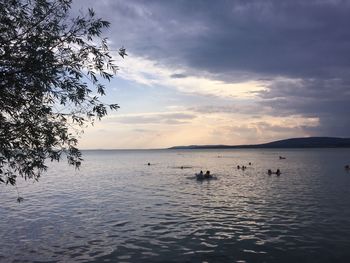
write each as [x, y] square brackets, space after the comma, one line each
[119, 209]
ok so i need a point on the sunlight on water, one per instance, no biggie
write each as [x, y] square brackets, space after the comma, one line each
[119, 209]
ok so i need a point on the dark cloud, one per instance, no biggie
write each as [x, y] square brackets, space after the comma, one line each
[293, 38]
[327, 100]
[243, 39]
[178, 76]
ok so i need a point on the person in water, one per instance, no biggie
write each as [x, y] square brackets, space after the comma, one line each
[238, 167]
[269, 172]
[207, 174]
[278, 172]
[200, 175]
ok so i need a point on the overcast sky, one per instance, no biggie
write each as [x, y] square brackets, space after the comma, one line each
[224, 72]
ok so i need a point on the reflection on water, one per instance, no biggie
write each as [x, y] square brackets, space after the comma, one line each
[119, 209]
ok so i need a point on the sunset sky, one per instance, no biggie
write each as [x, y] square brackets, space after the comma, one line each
[224, 72]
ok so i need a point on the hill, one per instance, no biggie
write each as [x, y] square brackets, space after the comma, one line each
[308, 142]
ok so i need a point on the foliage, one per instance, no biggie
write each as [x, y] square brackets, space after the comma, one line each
[51, 67]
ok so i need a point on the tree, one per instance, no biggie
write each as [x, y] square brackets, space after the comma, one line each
[51, 67]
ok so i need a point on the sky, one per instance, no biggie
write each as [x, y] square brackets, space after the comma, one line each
[224, 72]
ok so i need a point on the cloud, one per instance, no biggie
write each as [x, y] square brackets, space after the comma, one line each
[291, 38]
[166, 129]
[245, 109]
[171, 118]
[288, 57]
[178, 76]
[150, 73]
[267, 130]
[327, 100]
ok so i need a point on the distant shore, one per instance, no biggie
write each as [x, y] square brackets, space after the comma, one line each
[307, 142]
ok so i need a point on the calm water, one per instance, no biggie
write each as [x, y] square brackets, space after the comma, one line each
[118, 209]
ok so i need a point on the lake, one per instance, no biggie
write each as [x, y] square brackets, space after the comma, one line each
[116, 208]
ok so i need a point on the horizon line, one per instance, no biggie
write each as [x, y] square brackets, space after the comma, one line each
[211, 145]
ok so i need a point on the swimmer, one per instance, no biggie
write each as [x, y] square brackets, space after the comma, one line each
[207, 174]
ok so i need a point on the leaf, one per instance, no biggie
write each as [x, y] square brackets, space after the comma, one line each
[50, 66]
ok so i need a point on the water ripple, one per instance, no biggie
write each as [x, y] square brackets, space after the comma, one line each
[117, 209]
